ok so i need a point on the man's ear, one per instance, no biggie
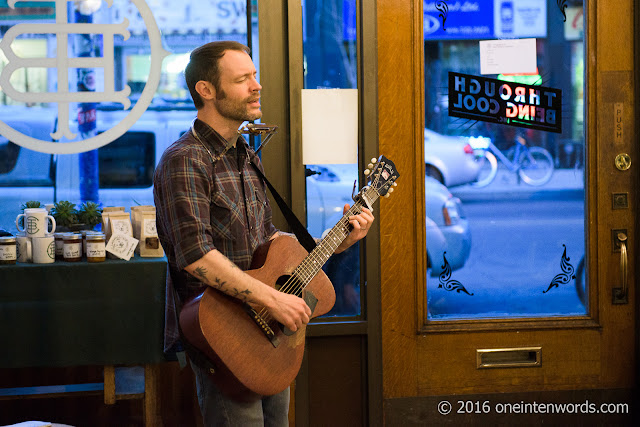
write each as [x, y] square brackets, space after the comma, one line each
[205, 90]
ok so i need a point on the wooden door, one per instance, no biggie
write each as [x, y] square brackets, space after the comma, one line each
[578, 359]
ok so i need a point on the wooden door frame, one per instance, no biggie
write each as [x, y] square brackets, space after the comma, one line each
[403, 256]
[636, 246]
[401, 119]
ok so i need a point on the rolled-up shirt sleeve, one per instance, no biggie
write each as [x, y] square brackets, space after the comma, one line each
[183, 199]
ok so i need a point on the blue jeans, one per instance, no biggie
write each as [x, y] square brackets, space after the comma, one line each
[219, 410]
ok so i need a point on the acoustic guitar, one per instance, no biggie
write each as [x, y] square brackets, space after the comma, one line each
[253, 354]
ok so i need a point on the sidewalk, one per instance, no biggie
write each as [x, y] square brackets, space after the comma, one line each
[564, 183]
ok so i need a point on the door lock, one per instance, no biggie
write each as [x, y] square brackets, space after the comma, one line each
[623, 161]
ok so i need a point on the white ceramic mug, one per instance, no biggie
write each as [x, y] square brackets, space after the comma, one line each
[35, 222]
[44, 249]
[23, 248]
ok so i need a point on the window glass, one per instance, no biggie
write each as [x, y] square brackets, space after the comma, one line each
[8, 155]
[504, 159]
[330, 62]
[128, 162]
[124, 168]
[32, 79]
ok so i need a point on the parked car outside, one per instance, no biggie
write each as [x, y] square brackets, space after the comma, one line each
[448, 214]
[126, 165]
[447, 227]
[450, 159]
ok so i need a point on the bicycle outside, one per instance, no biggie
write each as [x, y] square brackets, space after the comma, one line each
[534, 165]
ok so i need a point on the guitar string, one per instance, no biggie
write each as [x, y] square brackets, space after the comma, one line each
[307, 274]
[302, 271]
[298, 274]
[331, 237]
[297, 280]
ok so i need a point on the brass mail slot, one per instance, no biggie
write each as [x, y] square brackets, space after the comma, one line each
[509, 357]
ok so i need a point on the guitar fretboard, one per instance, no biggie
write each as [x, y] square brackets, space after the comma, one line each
[310, 266]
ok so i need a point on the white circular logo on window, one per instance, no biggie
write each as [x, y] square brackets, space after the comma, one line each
[63, 62]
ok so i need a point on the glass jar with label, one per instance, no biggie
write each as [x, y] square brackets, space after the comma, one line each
[59, 239]
[84, 240]
[72, 247]
[8, 254]
[96, 247]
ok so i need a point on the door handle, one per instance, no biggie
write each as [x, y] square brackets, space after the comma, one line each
[620, 295]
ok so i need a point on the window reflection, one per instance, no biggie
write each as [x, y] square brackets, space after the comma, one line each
[32, 79]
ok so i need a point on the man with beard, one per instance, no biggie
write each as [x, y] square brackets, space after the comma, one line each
[213, 212]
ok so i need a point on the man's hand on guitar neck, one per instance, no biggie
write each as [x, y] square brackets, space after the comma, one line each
[359, 225]
[218, 271]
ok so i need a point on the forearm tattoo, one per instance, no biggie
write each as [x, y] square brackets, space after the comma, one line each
[201, 272]
[234, 292]
[219, 284]
[241, 295]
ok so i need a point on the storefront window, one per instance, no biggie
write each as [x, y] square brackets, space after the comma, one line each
[123, 168]
[504, 159]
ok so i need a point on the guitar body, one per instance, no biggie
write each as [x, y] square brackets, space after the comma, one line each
[248, 365]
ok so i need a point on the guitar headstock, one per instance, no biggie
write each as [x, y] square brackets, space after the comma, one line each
[381, 175]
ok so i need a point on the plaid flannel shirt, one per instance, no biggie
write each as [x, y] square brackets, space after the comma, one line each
[201, 206]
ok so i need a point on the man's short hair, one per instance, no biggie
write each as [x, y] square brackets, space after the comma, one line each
[203, 65]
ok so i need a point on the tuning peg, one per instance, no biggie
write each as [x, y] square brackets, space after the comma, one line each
[386, 196]
[370, 165]
[366, 172]
[373, 160]
[390, 190]
[395, 184]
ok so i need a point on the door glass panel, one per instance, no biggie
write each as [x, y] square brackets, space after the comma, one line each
[330, 62]
[504, 159]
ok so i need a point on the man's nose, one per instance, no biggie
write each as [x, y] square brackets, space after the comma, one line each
[256, 86]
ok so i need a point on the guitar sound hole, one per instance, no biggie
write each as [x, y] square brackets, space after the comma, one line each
[288, 284]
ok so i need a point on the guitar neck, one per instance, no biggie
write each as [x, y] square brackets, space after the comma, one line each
[310, 266]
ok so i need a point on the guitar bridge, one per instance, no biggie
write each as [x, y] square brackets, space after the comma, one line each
[262, 324]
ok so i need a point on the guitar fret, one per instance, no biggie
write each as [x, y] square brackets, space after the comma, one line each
[327, 246]
[310, 266]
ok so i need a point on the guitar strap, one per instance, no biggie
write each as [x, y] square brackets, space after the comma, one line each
[299, 230]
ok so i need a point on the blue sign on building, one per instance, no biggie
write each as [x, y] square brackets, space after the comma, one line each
[463, 20]
[484, 19]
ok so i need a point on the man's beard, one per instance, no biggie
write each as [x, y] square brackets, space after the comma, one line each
[236, 109]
